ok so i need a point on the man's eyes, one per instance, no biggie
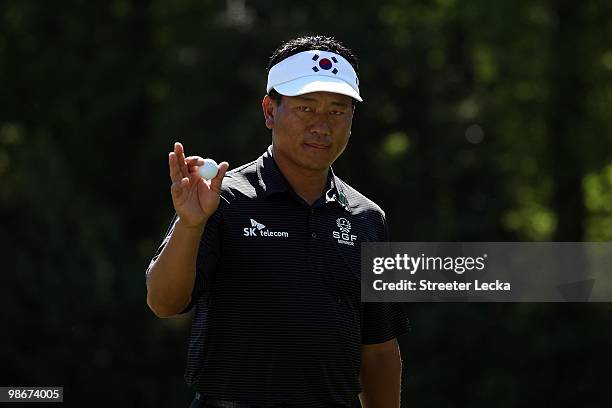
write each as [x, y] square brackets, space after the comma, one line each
[309, 109]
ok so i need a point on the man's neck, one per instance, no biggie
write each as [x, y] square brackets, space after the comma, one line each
[308, 184]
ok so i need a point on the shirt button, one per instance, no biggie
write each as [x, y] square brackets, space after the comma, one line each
[314, 235]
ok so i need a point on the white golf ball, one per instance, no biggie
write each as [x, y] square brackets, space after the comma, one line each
[209, 169]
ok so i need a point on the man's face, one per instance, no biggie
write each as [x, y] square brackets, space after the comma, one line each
[309, 131]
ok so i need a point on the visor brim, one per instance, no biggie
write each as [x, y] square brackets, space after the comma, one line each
[314, 83]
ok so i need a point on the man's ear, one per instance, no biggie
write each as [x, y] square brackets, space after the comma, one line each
[269, 109]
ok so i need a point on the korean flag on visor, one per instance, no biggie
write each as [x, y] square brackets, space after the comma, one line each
[314, 71]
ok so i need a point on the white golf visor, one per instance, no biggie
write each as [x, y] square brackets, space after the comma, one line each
[314, 71]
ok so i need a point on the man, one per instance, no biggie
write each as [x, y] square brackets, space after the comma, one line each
[269, 255]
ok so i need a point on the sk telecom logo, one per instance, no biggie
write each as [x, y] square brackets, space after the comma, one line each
[257, 229]
[344, 236]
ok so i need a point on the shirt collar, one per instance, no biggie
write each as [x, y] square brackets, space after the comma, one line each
[272, 181]
[335, 192]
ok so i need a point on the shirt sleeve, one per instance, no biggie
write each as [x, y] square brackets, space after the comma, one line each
[207, 258]
[383, 321]
[207, 261]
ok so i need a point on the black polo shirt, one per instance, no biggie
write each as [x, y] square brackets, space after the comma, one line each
[278, 317]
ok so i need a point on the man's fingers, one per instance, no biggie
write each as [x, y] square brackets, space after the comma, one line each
[175, 170]
[180, 154]
[178, 149]
[215, 183]
[193, 164]
[194, 161]
[178, 187]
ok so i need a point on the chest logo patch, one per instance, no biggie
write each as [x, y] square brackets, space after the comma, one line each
[344, 235]
[257, 229]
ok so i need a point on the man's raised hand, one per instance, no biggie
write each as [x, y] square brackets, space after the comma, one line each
[194, 198]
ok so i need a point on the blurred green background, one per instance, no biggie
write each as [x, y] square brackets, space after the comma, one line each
[482, 121]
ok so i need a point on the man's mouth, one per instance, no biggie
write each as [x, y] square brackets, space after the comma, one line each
[316, 145]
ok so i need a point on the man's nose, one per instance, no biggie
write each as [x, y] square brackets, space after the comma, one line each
[320, 124]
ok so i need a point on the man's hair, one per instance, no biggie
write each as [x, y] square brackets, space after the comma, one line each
[306, 43]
